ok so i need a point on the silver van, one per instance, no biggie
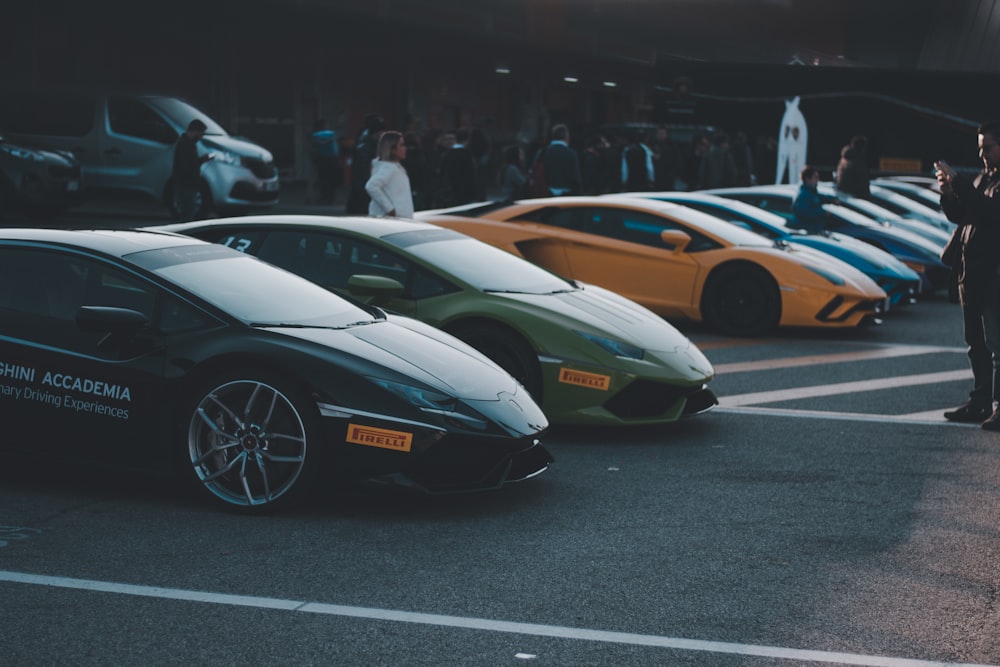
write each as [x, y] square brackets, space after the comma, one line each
[125, 143]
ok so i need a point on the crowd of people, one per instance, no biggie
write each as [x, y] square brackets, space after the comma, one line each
[463, 165]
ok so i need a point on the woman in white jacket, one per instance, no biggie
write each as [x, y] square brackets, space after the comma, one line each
[389, 185]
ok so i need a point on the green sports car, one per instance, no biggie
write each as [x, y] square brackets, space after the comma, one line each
[587, 355]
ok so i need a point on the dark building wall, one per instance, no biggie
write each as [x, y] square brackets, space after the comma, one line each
[267, 69]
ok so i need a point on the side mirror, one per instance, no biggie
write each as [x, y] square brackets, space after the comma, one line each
[119, 325]
[109, 319]
[379, 289]
[675, 239]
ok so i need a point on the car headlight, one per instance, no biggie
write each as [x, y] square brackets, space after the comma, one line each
[615, 347]
[22, 153]
[435, 402]
[829, 275]
[225, 157]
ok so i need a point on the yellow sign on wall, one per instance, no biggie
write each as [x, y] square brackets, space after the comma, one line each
[911, 165]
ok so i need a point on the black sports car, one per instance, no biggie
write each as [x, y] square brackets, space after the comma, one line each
[152, 350]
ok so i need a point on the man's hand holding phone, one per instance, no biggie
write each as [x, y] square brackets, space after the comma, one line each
[944, 173]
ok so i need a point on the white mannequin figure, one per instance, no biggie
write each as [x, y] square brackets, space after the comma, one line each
[792, 143]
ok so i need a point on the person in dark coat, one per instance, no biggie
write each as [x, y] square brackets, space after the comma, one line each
[419, 169]
[638, 171]
[807, 208]
[458, 177]
[852, 170]
[717, 168]
[186, 174]
[974, 205]
[325, 153]
[361, 164]
[668, 163]
[562, 165]
[594, 166]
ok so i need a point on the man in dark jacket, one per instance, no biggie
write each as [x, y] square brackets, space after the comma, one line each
[852, 170]
[974, 205]
[186, 175]
[562, 165]
[457, 180]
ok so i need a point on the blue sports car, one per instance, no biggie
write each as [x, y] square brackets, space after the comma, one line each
[918, 253]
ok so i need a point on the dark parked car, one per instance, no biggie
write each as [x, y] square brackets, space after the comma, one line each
[159, 351]
[36, 182]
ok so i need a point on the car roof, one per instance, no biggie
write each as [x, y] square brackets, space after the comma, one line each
[114, 242]
[763, 215]
[373, 227]
[704, 222]
[775, 188]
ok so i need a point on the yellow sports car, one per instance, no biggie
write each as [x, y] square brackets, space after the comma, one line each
[676, 261]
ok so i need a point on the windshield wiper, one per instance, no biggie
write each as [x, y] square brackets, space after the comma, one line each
[521, 291]
[288, 325]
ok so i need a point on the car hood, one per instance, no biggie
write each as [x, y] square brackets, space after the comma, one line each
[453, 367]
[598, 310]
[241, 147]
[876, 256]
[33, 152]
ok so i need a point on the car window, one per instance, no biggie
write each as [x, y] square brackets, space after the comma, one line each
[645, 228]
[567, 218]
[780, 205]
[311, 255]
[479, 264]
[136, 119]
[331, 259]
[619, 223]
[744, 221]
[49, 289]
[183, 113]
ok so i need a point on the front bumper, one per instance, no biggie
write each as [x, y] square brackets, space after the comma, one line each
[426, 456]
[582, 394]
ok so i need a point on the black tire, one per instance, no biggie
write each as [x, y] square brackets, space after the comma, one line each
[205, 204]
[507, 349]
[741, 300]
[250, 443]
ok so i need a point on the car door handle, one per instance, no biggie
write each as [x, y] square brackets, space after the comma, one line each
[113, 151]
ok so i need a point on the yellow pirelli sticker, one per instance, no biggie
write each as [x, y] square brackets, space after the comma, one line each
[584, 379]
[399, 441]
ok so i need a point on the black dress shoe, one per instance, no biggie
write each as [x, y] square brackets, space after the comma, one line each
[971, 413]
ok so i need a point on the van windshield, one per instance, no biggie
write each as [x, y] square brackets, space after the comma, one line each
[183, 113]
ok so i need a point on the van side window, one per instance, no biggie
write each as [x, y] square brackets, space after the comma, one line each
[47, 114]
[135, 119]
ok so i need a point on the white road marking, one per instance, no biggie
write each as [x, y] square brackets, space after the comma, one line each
[932, 417]
[835, 358]
[488, 625]
[757, 398]
[744, 402]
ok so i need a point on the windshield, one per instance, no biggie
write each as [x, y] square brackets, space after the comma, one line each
[248, 289]
[183, 113]
[479, 264]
